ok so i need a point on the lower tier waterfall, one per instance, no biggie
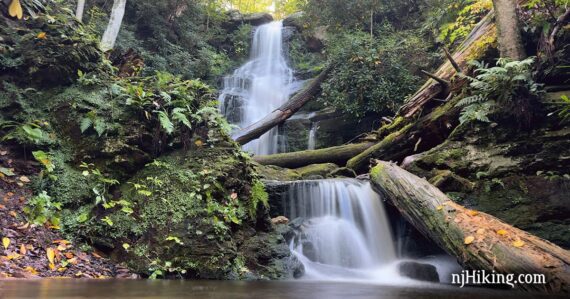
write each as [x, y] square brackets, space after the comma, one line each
[342, 232]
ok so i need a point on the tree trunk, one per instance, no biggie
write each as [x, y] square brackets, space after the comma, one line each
[282, 113]
[79, 10]
[112, 31]
[337, 154]
[478, 240]
[508, 29]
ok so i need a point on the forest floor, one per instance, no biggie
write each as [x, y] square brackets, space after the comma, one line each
[34, 251]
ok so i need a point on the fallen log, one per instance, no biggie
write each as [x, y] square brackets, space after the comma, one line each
[412, 138]
[478, 240]
[481, 35]
[336, 154]
[282, 113]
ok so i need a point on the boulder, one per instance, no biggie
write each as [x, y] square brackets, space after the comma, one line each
[418, 271]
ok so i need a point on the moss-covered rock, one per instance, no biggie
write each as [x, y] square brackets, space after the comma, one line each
[199, 214]
[520, 177]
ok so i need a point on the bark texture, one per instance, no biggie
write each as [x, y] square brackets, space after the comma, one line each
[508, 29]
[478, 240]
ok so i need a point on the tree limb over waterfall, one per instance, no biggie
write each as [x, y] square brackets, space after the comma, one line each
[478, 240]
[282, 113]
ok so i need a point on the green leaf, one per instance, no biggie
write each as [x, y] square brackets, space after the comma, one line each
[83, 217]
[178, 115]
[6, 171]
[165, 122]
[85, 124]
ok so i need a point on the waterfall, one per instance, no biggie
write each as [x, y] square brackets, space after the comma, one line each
[345, 232]
[259, 86]
[312, 136]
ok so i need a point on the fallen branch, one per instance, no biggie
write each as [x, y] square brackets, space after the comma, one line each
[478, 240]
[282, 113]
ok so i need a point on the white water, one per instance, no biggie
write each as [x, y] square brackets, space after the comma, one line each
[259, 86]
[346, 234]
[312, 136]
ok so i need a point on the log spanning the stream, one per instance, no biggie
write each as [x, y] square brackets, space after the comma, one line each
[336, 154]
[284, 112]
[478, 240]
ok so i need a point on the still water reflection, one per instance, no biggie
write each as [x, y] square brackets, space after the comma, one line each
[66, 289]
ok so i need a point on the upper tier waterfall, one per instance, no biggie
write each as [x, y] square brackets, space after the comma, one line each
[259, 86]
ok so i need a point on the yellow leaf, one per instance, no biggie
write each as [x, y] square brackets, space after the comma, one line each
[481, 231]
[42, 35]
[439, 208]
[52, 266]
[23, 249]
[24, 179]
[5, 242]
[199, 143]
[50, 255]
[468, 240]
[518, 243]
[13, 213]
[31, 270]
[501, 232]
[15, 9]
[61, 269]
[472, 213]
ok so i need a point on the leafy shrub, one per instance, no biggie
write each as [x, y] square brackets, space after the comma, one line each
[508, 89]
[373, 74]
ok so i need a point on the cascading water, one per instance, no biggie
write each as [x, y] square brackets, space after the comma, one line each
[312, 136]
[345, 233]
[259, 86]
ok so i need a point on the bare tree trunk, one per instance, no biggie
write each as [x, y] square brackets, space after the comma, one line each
[112, 31]
[478, 240]
[508, 29]
[79, 10]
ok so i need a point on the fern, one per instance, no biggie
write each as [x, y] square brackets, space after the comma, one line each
[505, 88]
[165, 122]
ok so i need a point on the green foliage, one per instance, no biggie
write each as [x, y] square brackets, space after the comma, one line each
[373, 74]
[42, 208]
[562, 107]
[92, 121]
[26, 133]
[258, 195]
[48, 48]
[101, 182]
[508, 89]
[452, 21]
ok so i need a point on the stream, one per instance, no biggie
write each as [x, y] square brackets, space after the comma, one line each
[166, 289]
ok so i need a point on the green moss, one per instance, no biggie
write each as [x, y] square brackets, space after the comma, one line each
[258, 195]
[314, 170]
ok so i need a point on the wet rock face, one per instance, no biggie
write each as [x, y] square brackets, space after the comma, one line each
[418, 271]
[236, 18]
[522, 178]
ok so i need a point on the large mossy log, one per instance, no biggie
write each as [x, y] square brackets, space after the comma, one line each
[336, 154]
[284, 112]
[478, 240]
